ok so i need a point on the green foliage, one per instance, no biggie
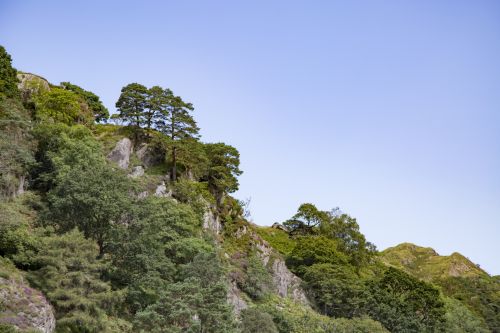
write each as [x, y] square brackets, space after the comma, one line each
[69, 275]
[192, 158]
[459, 319]
[290, 317]
[352, 242]
[255, 321]
[254, 278]
[8, 76]
[100, 112]
[74, 201]
[5, 328]
[16, 236]
[16, 146]
[336, 289]
[62, 106]
[278, 239]
[131, 104]
[224, 162]
[144, 254]
[315, 250]
[457, 276]
[404, 304]
[193, 193]
[481, 294]
[341, 227]
[195, 304]
[308, 218]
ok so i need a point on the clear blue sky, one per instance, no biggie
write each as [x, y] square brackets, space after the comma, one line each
[388, 109]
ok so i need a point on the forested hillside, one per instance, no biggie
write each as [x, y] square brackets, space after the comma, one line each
[126, 223]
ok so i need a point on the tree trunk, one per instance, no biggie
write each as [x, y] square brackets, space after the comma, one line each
[173, 174]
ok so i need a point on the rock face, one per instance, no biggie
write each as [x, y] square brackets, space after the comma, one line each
[286, 284]
[24, 307]
[211, 221]
[121, 153]
[235, 299]
[149, 156]
[31, 84]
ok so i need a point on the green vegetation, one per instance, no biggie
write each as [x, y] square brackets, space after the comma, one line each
[163, 250]
[457, 277]
[101, 114]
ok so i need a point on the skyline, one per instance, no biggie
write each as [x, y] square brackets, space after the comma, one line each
[389, 111]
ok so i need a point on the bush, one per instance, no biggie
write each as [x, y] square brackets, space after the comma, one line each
[255, 321]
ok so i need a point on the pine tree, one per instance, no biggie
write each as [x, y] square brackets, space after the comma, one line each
[176, 121]
[131, 104]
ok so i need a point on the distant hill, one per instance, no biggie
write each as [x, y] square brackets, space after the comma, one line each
[425, 263]
[456, 275]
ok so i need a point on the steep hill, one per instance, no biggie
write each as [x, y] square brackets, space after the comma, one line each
[128, 224]
[427, 264]
[455, 274]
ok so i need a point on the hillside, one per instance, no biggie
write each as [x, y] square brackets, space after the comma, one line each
[455, 274]
[127, 223]
[427, 264]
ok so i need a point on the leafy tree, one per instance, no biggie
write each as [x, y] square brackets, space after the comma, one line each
[223, 168]
[195, 304]
[255, 321]
[50, 139]
[335, 288]
[480, 294]
[352, 242]
[8, 76]
[16, 147]
[17, 239]
[99, 111]
[404, 304]
[69, 275]
[92, 206]
[459, 319]
[308, 218]
[144, 253]
[15, 140]
[132, 103]
[314, 250]
[61, 105]
[257, 281]
[192, 158]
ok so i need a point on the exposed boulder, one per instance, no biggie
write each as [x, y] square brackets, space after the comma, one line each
[235, 299]
[211, 221]
[163, 191]
[137, 171]
[286, 284]
[149, 156]
[31, 84]
[121, 153]
[279, 226]
[22, 306]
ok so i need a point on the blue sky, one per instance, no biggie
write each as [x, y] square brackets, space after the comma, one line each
[388, 109]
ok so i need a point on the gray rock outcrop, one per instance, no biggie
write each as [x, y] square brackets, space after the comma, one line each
[149, 156]
[162, 191]
[235, 299]
[137, 171]
[121, 153]
[31, 84]
[286, 284]
[211, 221]
[25, 307]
